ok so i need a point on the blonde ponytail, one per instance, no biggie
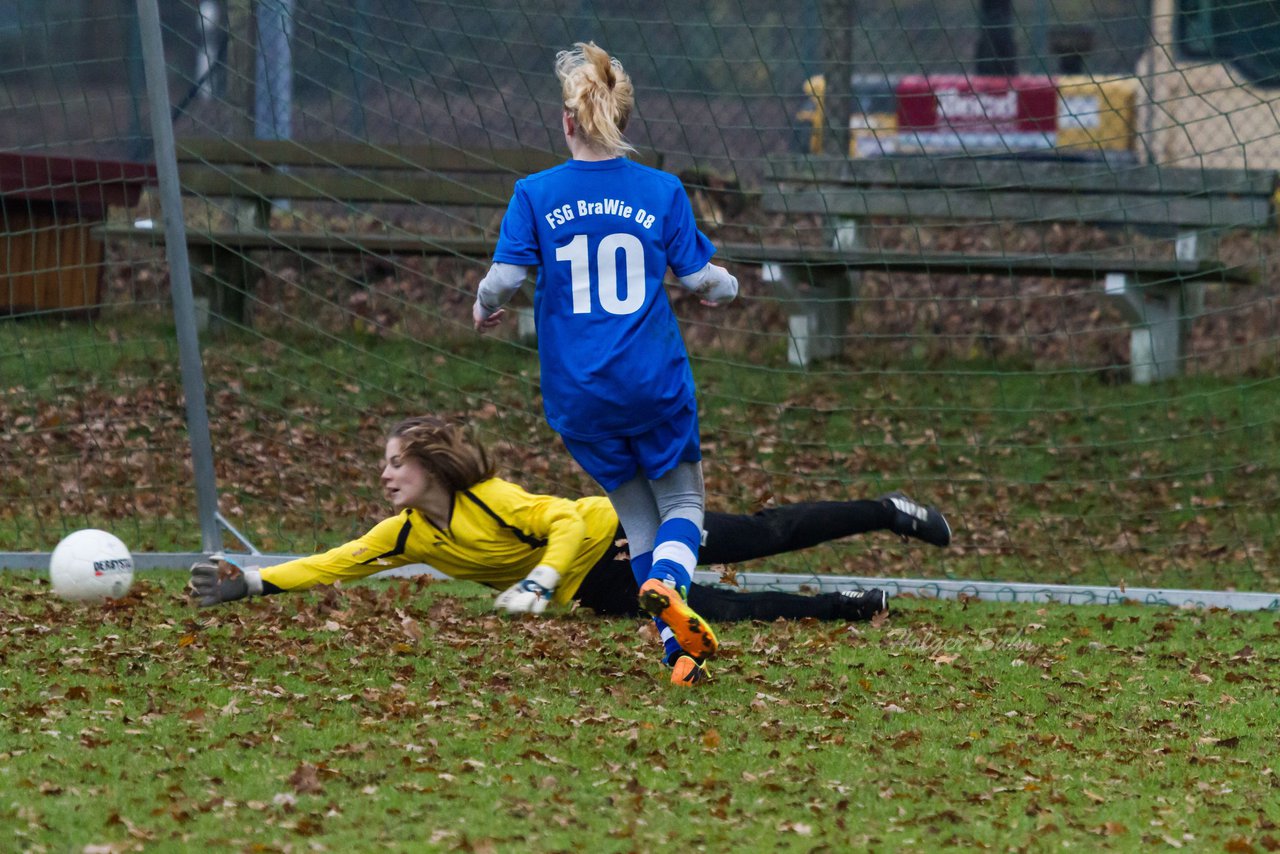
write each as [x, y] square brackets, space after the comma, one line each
[598, 92]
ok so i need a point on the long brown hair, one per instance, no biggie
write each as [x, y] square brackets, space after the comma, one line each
[446, 450]
[598, 92]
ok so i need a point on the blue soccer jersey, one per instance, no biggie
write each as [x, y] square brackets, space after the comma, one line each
[602, 235]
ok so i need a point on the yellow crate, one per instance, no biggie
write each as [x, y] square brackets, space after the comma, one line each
[872, 134]
[1096, 113]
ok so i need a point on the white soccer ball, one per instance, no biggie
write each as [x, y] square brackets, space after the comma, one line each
[90, 566]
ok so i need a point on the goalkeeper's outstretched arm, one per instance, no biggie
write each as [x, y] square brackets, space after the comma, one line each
[218, 579]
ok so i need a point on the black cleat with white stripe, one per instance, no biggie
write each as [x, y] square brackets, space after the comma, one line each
[915, 520]
[862, 605]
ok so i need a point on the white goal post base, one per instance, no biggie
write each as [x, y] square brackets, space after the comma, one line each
[1004, 591]
[922, 588]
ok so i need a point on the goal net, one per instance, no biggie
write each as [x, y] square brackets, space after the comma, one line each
[344, 167]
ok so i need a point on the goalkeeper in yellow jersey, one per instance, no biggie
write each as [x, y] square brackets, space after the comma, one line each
[453, 514]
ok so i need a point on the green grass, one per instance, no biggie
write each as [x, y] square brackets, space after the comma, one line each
[402, 715]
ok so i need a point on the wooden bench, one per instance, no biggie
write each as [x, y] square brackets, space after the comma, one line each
[466, 190]
[1186, 209]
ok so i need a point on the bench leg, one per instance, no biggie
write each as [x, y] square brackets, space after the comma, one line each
[526, 325]
[526, 321]
[1161, 316]
[818, 301]
[220, 278]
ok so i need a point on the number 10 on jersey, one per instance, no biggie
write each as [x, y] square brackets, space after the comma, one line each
[609, 287]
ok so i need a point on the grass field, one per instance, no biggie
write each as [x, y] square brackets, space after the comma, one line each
[403, 716]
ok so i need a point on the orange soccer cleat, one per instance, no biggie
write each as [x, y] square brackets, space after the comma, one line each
[688, 671]
[691, 631]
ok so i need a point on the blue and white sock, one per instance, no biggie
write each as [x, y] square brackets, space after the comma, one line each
[640, 567]
[671, 649]
[676, 554]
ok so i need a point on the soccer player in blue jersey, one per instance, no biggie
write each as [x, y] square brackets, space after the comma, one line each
[602, 231]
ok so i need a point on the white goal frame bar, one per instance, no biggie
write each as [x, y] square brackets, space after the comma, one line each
[921, 588]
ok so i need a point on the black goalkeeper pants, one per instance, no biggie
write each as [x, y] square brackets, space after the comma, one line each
[610, 588]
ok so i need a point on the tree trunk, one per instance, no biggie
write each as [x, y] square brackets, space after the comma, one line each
[997, 53]
[837, 54]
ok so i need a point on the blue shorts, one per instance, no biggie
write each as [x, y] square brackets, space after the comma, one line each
[614, 460]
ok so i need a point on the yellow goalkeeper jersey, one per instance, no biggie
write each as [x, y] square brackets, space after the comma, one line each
[497, 533]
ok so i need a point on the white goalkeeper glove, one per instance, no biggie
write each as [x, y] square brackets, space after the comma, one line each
[217, 580]
[530, 596]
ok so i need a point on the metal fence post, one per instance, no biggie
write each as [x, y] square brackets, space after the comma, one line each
[175, 234]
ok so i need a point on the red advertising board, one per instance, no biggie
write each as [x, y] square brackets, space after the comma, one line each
[959, 103]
